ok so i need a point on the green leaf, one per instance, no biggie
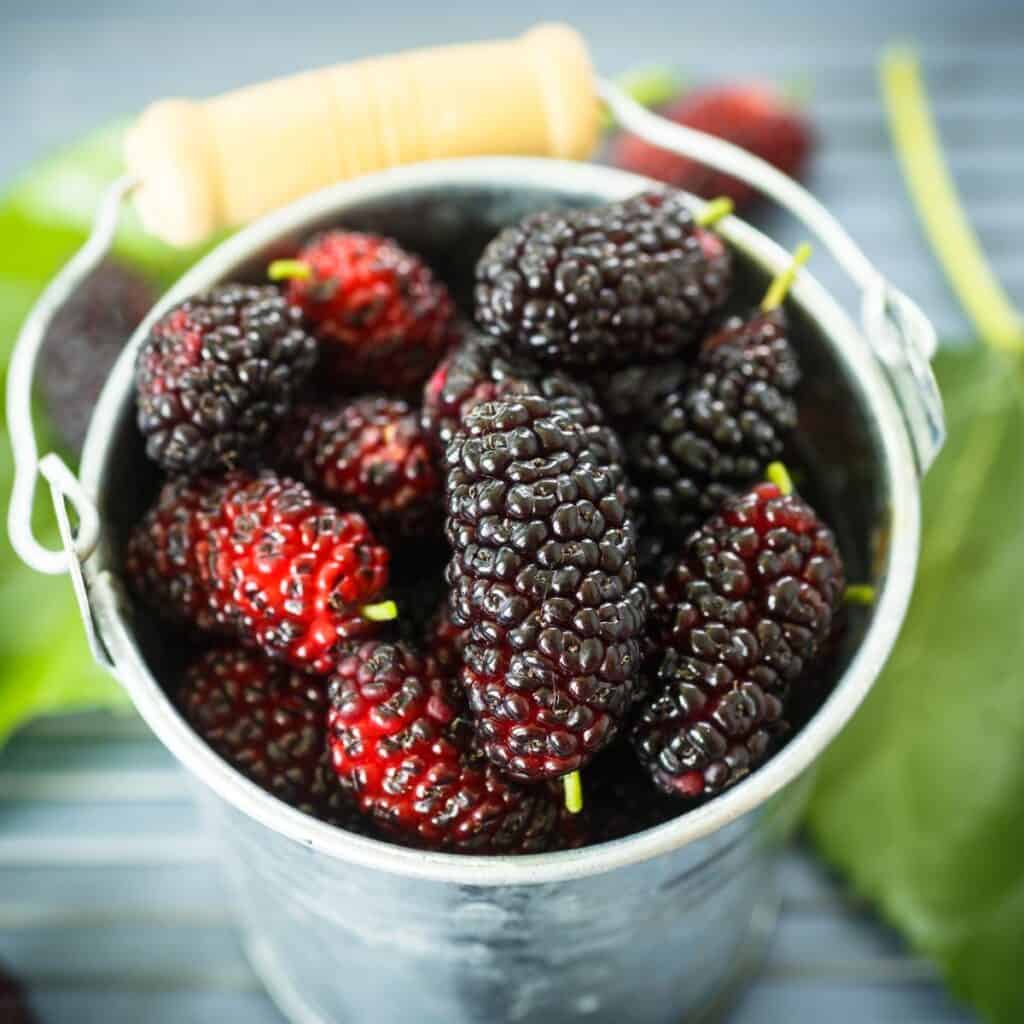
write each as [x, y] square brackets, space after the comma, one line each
[47, 667]
[920, 800]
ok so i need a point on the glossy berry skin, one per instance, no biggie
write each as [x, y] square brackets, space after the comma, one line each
[693, 446]
[482, 369]
[399, 746]
[161, 561]
[264, 561]
[269, 722]
[544, 576]
[382, 318]
[754, 117]
[370, 454]
[217, 374]
[744, 617]
[610, 285]
[478, 369]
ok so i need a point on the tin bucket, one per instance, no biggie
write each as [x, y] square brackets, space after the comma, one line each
[655, 928]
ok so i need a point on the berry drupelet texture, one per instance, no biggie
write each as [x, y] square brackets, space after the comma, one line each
[744, 616]
[83, 341]
[268, 721]
[478, 369]
[544, 576]
[162, 556]
[755, 117]
[482, 369]
[382, 318]
[699, 443]
[400, 747]
[260, 558]
[370, 454]
[611, 285]
[217, 374]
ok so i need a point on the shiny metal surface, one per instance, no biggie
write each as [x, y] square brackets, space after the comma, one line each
[615, 946]
[645, 929]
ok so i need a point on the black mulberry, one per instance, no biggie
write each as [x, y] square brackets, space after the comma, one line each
[544, 575]
[217, 375]
[693, 446]
[610, 285]
[744, 616]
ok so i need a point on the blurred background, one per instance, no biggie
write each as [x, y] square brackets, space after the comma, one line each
[70, 66]
[110, 908]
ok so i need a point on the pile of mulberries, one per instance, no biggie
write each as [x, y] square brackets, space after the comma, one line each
[442, 570]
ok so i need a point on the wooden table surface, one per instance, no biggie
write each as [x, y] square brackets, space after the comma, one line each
[110, 903]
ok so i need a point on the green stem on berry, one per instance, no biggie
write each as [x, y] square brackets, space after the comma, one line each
[714, 211]
[382, 611]
[779, 288]
[934, 194]
[778, 474]
[289, 270]
[573, 786]
[860, 593]
[650, 87]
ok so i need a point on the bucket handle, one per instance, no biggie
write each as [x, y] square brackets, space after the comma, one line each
[28, 467]
[900, 335]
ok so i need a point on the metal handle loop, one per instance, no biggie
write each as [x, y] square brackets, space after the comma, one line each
[21, 430]
[900, 334]
[64, 488]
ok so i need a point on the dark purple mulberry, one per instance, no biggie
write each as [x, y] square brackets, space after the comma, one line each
[544, 575]
[217, 374]
[482, 369]
[610, 285]
[629, 394]
[693, 446]
[370, 454]
[744, 616]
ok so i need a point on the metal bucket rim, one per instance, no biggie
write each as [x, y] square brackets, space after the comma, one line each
[853, 351]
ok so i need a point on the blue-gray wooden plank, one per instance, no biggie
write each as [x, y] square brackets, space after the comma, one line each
[99, 844]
